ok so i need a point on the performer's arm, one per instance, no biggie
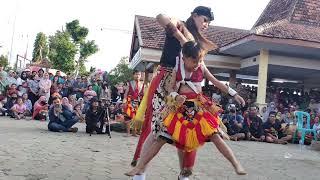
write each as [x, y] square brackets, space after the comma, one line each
[171, 26]
[223, 87]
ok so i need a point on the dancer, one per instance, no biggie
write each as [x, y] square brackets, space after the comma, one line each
[161, 86]
[132, 98]
[195, 120]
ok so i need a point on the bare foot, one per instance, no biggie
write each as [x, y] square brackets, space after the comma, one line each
[134, 171]
[240, 170]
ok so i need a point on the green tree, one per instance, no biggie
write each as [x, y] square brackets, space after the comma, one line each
[62, 52]
[85, 48]
[4, 61]
[121, 73]
[40, 47]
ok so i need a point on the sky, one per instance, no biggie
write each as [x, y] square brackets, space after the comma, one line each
[110, 23]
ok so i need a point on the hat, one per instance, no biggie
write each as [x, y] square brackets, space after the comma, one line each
[204, 11]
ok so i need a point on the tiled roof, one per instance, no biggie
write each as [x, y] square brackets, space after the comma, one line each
[290, 19]
[153, 34]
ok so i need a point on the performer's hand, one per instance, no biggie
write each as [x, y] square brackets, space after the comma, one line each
[180, 99]
[240, 100]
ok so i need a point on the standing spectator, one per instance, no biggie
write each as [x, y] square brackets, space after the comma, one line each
[76, 87]
[28, 104]
[19, 109]
[105, 92]
[83, 85]
[96, 86]
[316, 126]
[3, 84]
[45, 86]
[3, 73]
[40, 73]
[61, 119]
[24, 76]
[11, 79]
[33, 85]
[120, 89]
[253, 126]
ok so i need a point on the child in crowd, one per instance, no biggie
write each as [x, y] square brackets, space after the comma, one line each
[79, 113]
[19, 109]
[316, 126]
[28, 104]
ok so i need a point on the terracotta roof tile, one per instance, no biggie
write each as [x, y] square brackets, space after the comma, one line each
[153, 34]
[290, 19]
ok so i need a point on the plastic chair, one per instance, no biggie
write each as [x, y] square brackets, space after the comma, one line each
[304, 130]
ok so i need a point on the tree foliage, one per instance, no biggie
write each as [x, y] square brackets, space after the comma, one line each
[40, 46]
[85, 48]
[121, 73]
[4, 61]
[62, 52]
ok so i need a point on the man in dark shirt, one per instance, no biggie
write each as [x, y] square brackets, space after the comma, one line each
[273, 130]
[233, 122]
[253, 125]
[61, 118]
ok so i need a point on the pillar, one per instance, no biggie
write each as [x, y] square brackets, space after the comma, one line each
[232, 78]
[262, 78]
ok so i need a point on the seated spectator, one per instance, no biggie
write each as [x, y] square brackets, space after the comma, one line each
[12, 90]
[40, 111]
[19, 109]
[253, 126]
[233, 122]
[115, 114]
[11, 101]
[3, 109]
[65, 102]
[95, 118]
[273, 130]
[77, 110]
[61, 118]
[316, 126]
[72, 100]
[28, 104]
[81, 103]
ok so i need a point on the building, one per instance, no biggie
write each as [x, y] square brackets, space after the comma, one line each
[284, 43]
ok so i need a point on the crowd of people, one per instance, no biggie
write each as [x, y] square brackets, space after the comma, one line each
[42, 96]
[65, 100]
[275, 123]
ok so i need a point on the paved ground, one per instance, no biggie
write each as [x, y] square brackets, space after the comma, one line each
[29, 151]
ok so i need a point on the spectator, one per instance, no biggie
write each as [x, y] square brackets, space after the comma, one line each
[273, 130]
[65, 102]
[24, 76]
[33, 85]
[11, 101]
[19, 109]
[89, 94]
[11, 79]
[77, 87]
[96, 86]
[264, 115]
[40, 111]
[3, 84]
[28, 104]
[60, 78]
[316, 126]
[61, 119]
[233, 122]
[216, 96]
[105, 92]
[3, 109]
[95, 118]
[253, 126]
[45, 86]
[12, 90]
[40, 73]
[72, 100]
[3, 74]
[79, 113]
[82, 104]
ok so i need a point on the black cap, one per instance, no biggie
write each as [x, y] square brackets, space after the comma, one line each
[204, 11]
